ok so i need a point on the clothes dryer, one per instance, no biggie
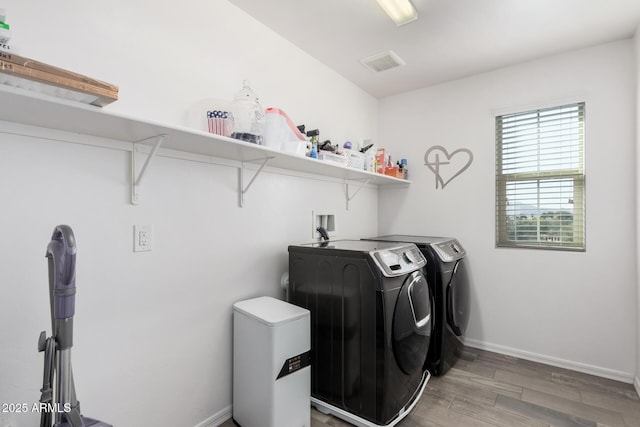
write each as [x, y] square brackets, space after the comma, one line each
[447, 275]
[371, 325]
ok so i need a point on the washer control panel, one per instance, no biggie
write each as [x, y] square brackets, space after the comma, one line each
[400, 260]
[449, 250]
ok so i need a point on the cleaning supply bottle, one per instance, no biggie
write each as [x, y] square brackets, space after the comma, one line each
[314, 135]
[405, 171]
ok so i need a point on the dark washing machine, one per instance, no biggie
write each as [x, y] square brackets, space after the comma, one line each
[447, 275]
[371, 326]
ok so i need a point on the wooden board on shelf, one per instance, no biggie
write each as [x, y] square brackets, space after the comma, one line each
[24, 70]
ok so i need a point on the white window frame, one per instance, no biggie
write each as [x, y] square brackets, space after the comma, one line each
[576, 175]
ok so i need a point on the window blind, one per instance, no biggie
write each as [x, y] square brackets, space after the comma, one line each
[540, 181]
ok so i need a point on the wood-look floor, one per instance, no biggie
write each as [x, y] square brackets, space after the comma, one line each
[490, 389]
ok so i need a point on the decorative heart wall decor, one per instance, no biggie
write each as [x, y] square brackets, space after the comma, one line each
[447, 166]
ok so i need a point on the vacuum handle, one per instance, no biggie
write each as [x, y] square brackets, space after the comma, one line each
[61, 253]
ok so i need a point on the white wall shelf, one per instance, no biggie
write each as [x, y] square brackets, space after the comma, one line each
[35, 109]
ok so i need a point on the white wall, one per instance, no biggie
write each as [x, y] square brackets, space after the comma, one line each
[167, 59]
[637, 70]
[153, 330]
[570, 309]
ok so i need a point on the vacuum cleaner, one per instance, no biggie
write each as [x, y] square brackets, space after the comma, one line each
[59, 406]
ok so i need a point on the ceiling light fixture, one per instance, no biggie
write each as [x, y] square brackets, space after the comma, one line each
[400, 11]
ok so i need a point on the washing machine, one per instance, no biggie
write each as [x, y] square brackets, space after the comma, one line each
[447, 275]
[371, 326]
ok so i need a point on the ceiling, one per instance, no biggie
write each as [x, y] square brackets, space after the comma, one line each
[451, 38]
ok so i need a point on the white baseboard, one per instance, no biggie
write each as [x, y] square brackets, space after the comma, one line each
[218, 418]
[626, 377]
[223, 415]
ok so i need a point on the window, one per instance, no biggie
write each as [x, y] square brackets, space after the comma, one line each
[540, 178]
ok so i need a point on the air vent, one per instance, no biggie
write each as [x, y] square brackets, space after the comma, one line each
[383, 61]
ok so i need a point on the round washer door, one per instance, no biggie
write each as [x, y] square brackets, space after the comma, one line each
[412, 323]
[458, 299]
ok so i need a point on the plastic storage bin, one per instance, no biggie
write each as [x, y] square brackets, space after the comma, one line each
[271, 365]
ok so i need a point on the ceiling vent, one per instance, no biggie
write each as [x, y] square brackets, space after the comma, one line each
[383, 61]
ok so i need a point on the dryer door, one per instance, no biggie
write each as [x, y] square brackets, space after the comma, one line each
[412, 323]
[458, 299]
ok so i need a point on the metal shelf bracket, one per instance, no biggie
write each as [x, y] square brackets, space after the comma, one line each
[243, 189]
[136, 178]
[350, 197]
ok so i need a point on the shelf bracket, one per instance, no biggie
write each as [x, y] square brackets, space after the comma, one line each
[350, 197]
[136, 179]
[243, 189]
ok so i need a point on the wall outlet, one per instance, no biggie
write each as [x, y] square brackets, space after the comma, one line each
[142, 238]
[328, 221]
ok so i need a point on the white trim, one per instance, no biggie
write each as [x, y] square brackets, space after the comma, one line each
[636, 385]
[217, 418]
[626, 377]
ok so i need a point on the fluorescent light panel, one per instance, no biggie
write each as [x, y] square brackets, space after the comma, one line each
[400, 11]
